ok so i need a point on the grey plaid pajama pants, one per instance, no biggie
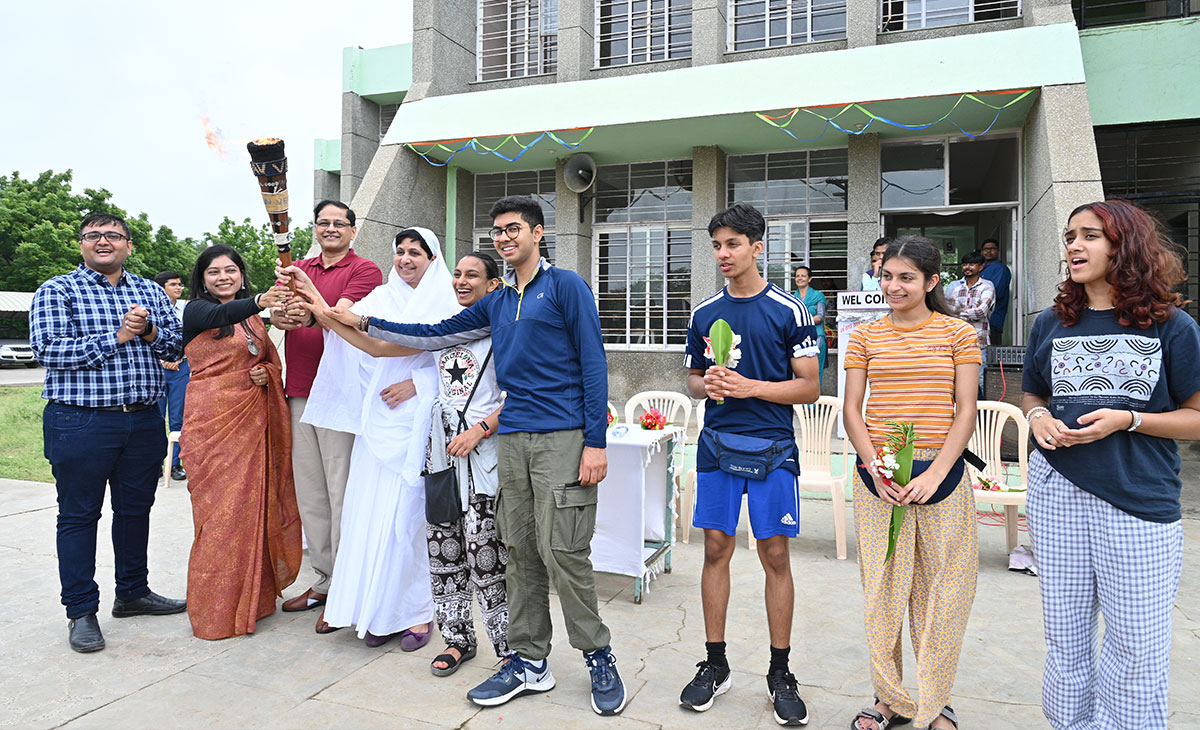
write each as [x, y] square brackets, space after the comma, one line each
[1095, 559]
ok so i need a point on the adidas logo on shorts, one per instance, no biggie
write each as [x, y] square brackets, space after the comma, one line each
[788, 519]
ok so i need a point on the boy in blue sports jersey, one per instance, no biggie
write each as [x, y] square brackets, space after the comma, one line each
[748, 447]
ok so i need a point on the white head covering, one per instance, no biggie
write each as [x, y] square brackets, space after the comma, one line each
[345, 393]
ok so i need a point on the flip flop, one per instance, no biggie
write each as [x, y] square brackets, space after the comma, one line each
[412, 640]
[452, 663]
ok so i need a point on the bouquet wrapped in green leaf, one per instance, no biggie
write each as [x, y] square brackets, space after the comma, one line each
[722, 346]
[893, 462]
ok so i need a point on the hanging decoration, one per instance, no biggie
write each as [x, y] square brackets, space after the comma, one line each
[783, 121]
[479, 147]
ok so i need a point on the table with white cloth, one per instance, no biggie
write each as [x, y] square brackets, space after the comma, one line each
[635, 515]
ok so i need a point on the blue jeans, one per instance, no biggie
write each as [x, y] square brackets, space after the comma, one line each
[172, 402]
[88, 449]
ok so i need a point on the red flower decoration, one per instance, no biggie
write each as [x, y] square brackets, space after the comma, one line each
[653, 420]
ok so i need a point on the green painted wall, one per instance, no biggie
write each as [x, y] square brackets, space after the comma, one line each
[1143, 72]
[382, 75]
[327, 155]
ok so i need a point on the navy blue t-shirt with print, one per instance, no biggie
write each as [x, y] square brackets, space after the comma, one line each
[1098, 363]
[774, 327]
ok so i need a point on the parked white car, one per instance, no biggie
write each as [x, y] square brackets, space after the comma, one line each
[17, 351]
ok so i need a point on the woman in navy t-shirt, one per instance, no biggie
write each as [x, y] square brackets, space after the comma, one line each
[1110, 383]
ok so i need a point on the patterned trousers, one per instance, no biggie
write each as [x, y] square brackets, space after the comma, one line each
[931, 577]
[466, 558]
[1094, 558]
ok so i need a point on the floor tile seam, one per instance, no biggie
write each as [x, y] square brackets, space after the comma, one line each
[28, 511]
[133, 692]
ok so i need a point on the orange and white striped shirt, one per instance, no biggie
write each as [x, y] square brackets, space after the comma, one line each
[911, 373]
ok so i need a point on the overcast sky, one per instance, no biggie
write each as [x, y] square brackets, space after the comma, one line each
[116, 91]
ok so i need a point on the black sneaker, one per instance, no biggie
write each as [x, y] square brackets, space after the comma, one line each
[709, 682]
[789, 708]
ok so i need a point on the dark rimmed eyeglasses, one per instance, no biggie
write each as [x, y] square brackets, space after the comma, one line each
[511, 230]
[110, 236]
[333, 224]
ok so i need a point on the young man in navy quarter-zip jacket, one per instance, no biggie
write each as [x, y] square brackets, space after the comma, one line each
[550, 361]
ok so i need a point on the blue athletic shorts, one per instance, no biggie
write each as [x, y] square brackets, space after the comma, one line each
[773, 503]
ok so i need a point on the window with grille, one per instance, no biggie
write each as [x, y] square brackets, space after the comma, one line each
[769, 23]
[490, 187]
[516, 38]
[642, 253]
[636, 31]
[912, 14]
[1091, 13]
[387, 113]
[950, 171]
[803, 197]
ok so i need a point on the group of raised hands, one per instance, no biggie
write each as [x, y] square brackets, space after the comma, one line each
[294, 298]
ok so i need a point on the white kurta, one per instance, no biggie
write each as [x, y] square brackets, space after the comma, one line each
[381, 576]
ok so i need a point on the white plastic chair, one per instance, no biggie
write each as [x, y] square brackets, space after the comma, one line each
[817, 421]
[985, 442]
[688, 498]
[671, 404]
[172, 439]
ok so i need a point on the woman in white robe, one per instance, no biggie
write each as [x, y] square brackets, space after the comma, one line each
[381, 574]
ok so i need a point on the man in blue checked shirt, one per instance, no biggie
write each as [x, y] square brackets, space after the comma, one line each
[100, 332]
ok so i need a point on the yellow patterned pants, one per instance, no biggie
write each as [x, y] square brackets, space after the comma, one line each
[931, 576]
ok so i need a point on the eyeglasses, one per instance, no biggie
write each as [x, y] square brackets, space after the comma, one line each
[333, 224]
[512, 229]
[110, 236]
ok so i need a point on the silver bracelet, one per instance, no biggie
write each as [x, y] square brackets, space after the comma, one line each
[1036, 412]
[1137, 421]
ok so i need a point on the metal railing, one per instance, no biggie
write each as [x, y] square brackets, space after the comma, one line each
[896, 15]
[1093, 13]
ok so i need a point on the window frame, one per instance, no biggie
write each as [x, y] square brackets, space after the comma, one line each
[601, 62]
[629, 228]
[732, 24]
[538, 50]
[887, 20]
[946, 140]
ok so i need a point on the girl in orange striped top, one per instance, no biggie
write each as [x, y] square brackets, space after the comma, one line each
[923, 368]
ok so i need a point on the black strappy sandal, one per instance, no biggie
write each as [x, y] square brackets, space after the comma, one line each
[948, 713]
[452, 664]
[870, 713]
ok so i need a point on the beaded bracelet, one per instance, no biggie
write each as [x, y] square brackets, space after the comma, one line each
[1035, 412]
[1137, 421]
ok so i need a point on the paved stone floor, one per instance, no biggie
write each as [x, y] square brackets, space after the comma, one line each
[154, 674]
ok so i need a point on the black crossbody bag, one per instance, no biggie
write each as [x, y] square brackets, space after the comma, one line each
[442, 503]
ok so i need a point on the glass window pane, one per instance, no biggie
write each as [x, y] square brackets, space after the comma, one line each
[983, 170]
[913, 175]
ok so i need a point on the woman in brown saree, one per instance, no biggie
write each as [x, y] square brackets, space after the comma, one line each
[237, 440]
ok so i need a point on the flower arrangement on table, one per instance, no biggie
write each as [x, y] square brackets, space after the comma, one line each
[653, 420]
[612, 418]
[893, 463]
[988, 484]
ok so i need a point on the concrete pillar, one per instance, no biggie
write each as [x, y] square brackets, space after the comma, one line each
[708, 197]
[399, 190]
[1061, 173]
[443, 47]
[572, 237]
[1047, 12]
[862, 23]
[576, 40]
[464, 215]
[326, 186]
[862, 205]
[360, 139]
[709, 31]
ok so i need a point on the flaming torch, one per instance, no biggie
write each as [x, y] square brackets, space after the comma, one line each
[269, 164]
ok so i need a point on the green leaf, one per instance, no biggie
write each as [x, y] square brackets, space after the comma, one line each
[894, 530]
[720, 336]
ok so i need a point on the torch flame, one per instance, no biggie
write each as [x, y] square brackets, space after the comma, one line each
[264, 141]
[212, 137]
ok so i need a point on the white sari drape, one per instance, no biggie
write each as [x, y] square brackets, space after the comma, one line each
[381, 574]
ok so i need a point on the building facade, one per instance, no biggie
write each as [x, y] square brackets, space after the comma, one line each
[842, 120]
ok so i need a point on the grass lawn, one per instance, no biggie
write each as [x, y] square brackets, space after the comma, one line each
[21, 436]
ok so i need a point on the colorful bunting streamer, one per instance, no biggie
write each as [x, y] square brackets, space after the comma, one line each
[872, 117]
[480, 148]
